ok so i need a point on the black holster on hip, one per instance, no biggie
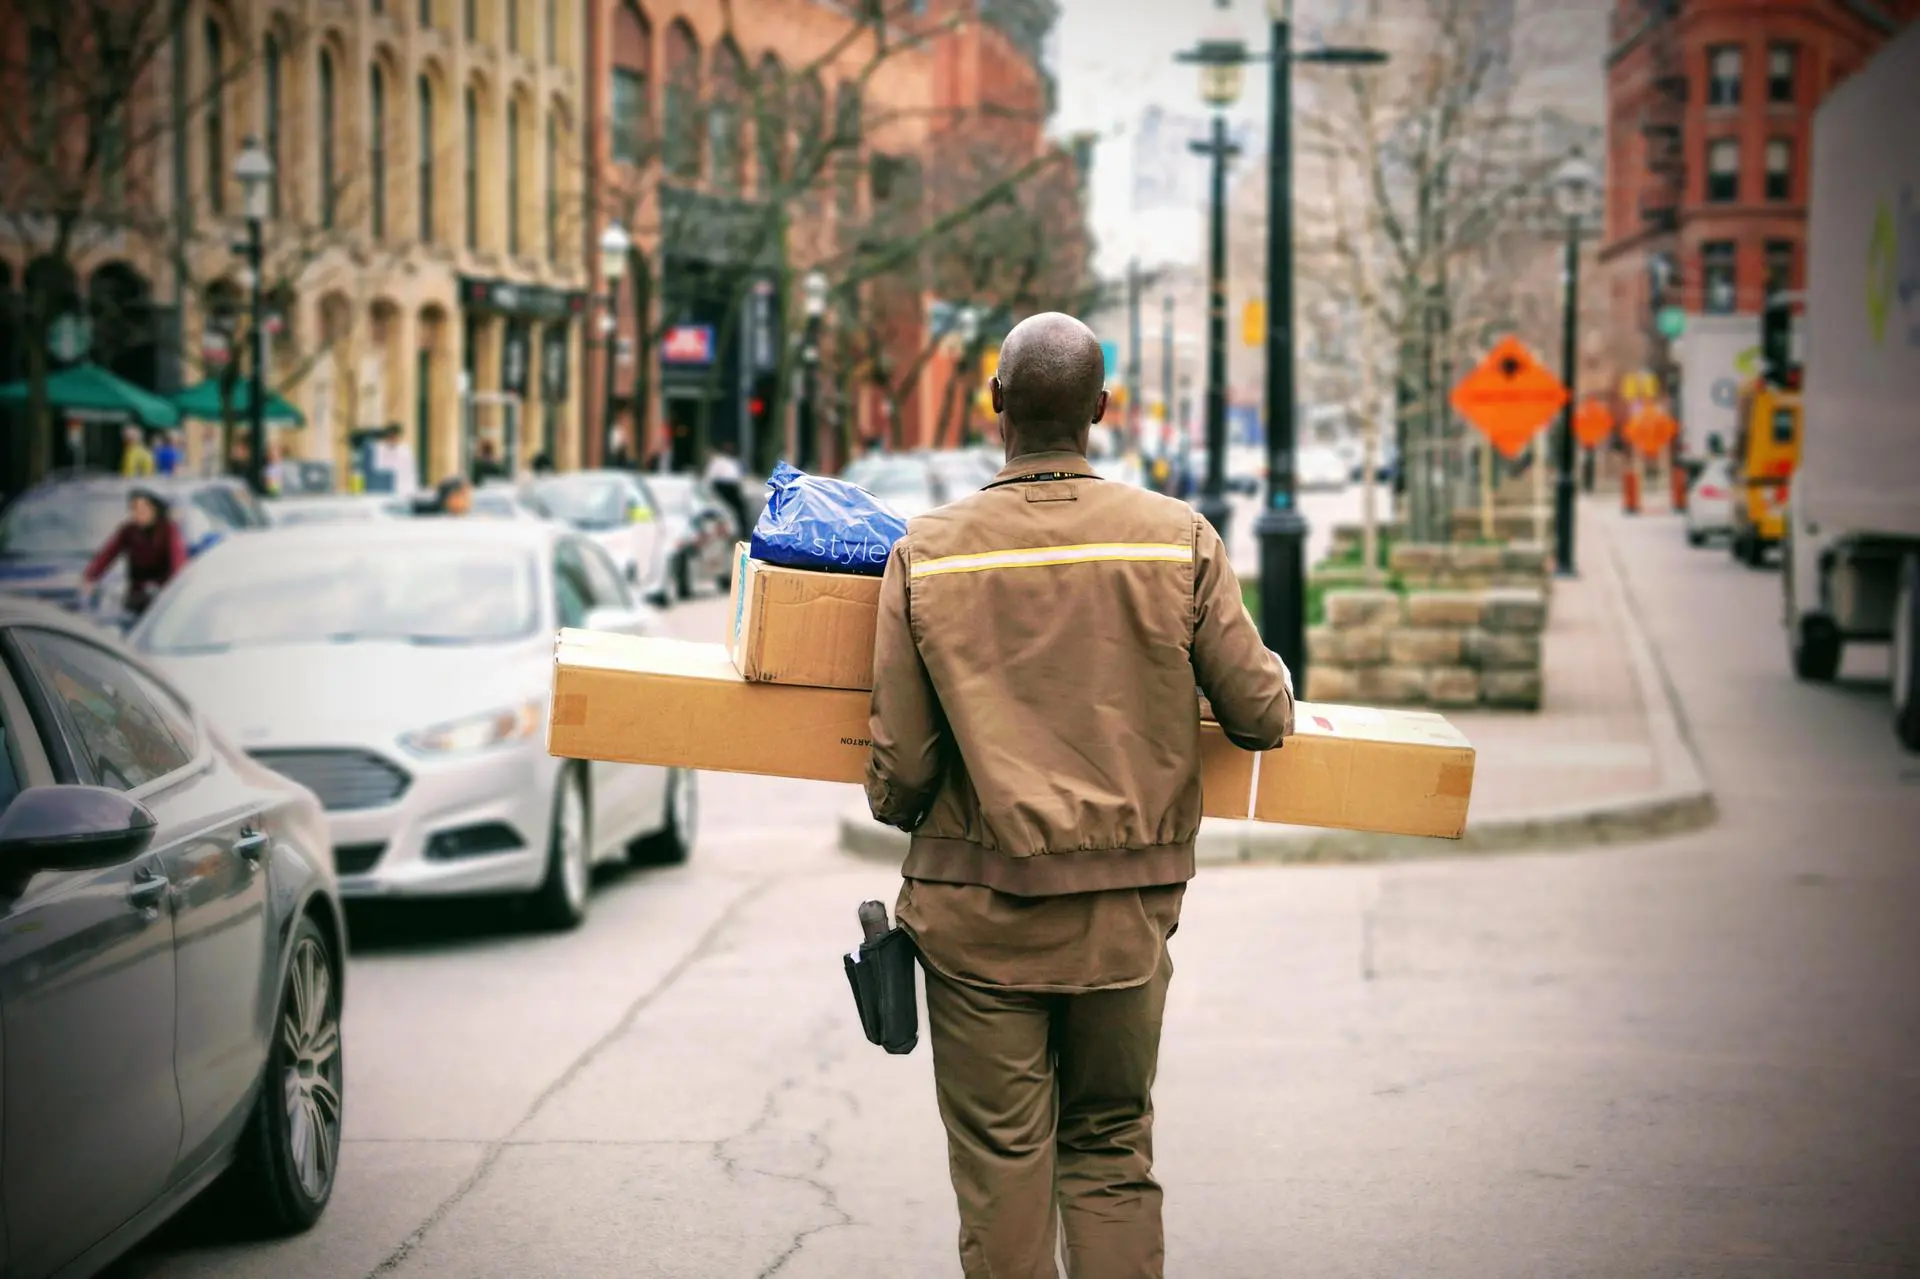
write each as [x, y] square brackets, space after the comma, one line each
[881, 974]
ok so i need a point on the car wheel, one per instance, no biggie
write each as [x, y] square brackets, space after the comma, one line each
[284, 1170]
[1696, 538]
[560, 903]
[1816, 647]
[670, 845]
[1906, 655]
[683, 576]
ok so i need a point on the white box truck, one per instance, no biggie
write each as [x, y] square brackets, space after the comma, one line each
[1718, 356]
[1852, 559]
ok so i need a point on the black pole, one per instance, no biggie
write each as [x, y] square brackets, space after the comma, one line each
[257, 384]
[1282, 529]
[612, 356]
[1213, 501]
[1563, 487]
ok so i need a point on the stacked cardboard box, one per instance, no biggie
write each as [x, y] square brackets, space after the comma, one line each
[787, 696]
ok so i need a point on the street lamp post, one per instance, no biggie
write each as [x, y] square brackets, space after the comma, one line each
[1281, 528]
[1573, 191]
[815, 287]
[253, 169]
[614, 247]
[1222, 60]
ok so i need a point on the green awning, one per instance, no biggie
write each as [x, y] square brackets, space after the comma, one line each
[90, 392]
[202, 401]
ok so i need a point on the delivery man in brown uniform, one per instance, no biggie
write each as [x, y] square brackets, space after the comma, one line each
[1035, 727]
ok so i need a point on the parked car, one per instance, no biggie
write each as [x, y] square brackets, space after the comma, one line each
[333, 508]
[171, 960]
[1710, 502]
[1320, 467]
[50, 532]
[904, 481]
[1246, 468]
[959, 472]
[617, 511]
[699, 533]
[401, 671]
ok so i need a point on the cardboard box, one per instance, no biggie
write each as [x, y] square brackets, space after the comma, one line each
[1394, 771]
[795, 626]
[671, 702]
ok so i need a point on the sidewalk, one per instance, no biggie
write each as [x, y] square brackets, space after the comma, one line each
[1603, 760]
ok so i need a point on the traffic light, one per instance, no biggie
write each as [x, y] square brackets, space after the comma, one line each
[760, 406]
[1779, 361]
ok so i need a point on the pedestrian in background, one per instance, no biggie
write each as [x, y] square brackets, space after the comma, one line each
[724, 477]
[167, 457]
[1035, 727]
[486, 463]
[136, 459]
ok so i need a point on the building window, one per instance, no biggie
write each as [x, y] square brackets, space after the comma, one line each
[425, 14]
[327, 156]
[113, 156]
[1779, 266]
[1723, 75]
[473, 169]
[724, 117]
[513, 25]
[377, 168]
[1723, 171]
[553, 30]
[1782, 61]
[680, 133]
[629, 111]
[770, 123]
[424, 87]
[1779, 169]
[513, 178]
[1719, 281]
[470, 19]
[551, 182]
[270, 58]
[216, 117]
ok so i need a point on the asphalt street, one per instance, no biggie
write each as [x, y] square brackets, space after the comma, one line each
[1692, 1057]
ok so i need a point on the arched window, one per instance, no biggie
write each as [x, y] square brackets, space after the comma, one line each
[216, 118]
[271, 76]
[328, 123]
[630, 104]
[550, 180]
[473, 169]
[770, 122]
[724, 116]
[513, 176]
[424, 87]
[513, 25]
[377, 137]
[680, 127]
[424, 16]
[470, 20]
[553, 30]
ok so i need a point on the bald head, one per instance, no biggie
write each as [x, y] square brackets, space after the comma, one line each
[1051, 383]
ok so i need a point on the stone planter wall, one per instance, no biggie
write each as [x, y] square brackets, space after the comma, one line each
[1510, 524]
[1440, 648]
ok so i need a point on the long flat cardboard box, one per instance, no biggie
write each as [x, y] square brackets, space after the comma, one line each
[684, 705]
[794, 626]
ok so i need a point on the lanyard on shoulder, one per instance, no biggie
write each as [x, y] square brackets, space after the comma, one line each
[1040, 477]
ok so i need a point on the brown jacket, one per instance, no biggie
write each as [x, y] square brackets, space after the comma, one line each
[1034, 720]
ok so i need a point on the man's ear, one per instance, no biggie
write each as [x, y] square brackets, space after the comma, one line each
[999, 396]
[1100, 407]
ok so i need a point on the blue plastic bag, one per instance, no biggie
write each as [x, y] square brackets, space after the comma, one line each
[814, 521]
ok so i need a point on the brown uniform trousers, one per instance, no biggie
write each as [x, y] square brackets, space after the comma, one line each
[1049, 1117]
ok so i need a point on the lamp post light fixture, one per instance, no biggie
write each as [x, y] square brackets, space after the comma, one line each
[814, 293]
[1222, 59]
[253, 170]
[1282, 529]
[1575, 191]
[615, 244]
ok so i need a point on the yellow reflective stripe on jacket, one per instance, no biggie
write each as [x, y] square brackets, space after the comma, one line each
[1044, 556]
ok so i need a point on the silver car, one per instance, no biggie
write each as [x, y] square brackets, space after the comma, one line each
[401, 670]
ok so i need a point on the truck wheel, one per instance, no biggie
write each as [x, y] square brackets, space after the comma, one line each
[1696, 538]
[1816, 646]
[1906, 655]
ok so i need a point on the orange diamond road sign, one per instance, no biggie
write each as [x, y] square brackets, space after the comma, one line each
[1593, 424]
[1510, 396]
[1651, 430]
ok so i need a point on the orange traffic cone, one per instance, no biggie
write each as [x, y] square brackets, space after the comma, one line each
[1630, 490]
[1678, 474]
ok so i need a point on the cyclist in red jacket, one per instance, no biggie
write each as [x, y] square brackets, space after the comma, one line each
[153, 546]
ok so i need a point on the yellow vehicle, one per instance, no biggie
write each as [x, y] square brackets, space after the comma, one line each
[1764, 456]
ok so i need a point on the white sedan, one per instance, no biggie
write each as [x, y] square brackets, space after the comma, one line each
[400, 670]
[1319, 467]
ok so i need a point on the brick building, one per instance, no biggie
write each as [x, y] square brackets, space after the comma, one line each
[744, 145]
[1709, 118]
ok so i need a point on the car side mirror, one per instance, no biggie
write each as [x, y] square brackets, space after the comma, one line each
[72, 828]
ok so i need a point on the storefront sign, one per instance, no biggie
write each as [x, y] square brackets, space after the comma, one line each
[687, 344]
[533, 301]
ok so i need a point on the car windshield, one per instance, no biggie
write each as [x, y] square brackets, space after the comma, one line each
[890, 476]
[424, 593]
[63, 524]
[584, 503]
[673, 493]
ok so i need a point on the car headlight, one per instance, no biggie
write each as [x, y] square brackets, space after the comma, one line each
[477, 732]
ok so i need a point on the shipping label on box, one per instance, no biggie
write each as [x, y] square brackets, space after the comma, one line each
[1354, 767]
[684, 705]
[797, 626]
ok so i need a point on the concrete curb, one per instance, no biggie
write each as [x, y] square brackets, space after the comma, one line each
[1682, 801]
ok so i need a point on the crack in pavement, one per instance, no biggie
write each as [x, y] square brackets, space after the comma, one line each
[701, 949]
